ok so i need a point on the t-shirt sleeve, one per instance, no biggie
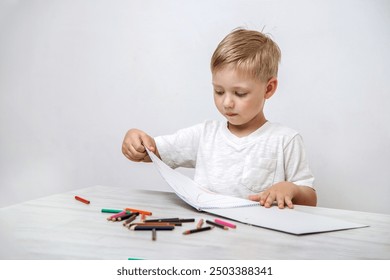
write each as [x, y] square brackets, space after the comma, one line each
[296, 166]
[180, 149]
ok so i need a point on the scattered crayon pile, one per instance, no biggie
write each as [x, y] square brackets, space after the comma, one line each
[129, 215]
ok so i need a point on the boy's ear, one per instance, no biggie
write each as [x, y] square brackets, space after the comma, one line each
[271, 87]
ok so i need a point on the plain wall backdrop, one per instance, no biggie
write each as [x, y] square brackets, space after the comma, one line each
[76, 75]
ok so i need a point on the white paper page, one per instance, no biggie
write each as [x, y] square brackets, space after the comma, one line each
[246, 211]
[192, 193]
[285, 220]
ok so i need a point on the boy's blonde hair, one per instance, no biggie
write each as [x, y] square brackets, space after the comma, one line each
[249, 51]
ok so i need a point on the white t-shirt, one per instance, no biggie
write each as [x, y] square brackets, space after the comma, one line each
[238, 166]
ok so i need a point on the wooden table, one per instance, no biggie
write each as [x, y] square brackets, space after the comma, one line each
[60, 227]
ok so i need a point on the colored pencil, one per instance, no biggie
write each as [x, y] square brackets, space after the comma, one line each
[170, 220]
[154, 234]
[129, 220]
[217, 225]
[224, 223]
[113, 217]
[186, 220]
[83, 200]
[139, 211]
[200, 223]
[152, 227]
[190, 231]
[105, 210]
[162, 220]
[123, 217]
[174, 221]
[152, 224]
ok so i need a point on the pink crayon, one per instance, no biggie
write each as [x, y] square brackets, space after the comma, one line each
[218, 221]
[117, 215]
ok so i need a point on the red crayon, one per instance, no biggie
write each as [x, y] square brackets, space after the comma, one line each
[83, 200]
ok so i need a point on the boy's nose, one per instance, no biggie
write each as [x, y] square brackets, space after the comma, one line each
[228, 102]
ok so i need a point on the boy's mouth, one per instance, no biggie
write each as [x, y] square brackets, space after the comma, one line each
[231, 114]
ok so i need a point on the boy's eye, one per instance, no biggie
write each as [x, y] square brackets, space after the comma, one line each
[218, 92]
[241, 94]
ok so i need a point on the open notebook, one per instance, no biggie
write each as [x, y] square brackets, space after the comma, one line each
[246, 211]
[192, 193]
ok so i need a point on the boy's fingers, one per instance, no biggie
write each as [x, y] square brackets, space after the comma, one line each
[280, 201]
[133, 154]
[254, 197]
[138, 147]
[289, 203]
[127, 152]
[135, 143]
[260, 197]
[270, 199]
[146, 159]
[147, 142]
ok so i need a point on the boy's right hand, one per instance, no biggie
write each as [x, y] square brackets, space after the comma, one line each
[133, 146]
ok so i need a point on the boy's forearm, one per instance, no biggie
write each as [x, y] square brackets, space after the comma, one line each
[305, 196]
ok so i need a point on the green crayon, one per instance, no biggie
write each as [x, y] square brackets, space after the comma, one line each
[111, 210]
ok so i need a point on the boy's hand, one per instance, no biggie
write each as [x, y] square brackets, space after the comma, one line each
[133, 146]
[282, 193]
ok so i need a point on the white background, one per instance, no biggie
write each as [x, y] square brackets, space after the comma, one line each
[76, 75]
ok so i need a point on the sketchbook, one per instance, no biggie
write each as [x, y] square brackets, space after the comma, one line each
[194, 194]
[246, 211]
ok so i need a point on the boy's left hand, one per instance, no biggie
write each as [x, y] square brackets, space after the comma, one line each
[282, 193]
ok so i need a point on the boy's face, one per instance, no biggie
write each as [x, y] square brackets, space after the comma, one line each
[240, 99]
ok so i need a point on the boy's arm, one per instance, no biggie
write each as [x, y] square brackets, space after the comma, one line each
[180, 148]
[297, 187]
[286, 193]
[305, 196]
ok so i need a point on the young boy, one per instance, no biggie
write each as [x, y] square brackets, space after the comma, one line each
[247, 156]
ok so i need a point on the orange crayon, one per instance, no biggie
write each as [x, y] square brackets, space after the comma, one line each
[147, 213]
